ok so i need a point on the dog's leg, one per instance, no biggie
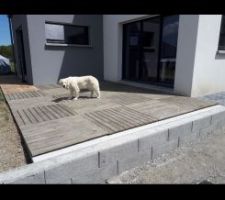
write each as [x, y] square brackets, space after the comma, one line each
[71, 94]
[92, 93]
[77, 92]
[97, 93]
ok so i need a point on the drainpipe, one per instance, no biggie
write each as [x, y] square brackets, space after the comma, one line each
[12, 43]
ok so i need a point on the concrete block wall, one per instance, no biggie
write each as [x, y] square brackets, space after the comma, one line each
[100, 159]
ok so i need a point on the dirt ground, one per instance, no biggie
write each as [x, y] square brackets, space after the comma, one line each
[11, 151]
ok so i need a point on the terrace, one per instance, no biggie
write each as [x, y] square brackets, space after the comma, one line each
[49, 122]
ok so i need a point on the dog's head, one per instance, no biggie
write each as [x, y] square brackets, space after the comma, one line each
[64, 83]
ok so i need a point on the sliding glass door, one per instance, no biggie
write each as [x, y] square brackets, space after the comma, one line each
[149, 50]
[132, 50]
[168, 49]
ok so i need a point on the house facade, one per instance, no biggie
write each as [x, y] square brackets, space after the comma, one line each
[184, 53]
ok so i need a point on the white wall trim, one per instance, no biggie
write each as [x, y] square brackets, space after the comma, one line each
[186, 50]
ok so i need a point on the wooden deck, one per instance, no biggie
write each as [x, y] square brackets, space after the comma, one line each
[49, 121]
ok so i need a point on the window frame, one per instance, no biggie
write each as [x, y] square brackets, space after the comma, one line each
[66, 44]
[220, 51]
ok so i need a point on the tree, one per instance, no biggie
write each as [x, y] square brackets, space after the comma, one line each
[6, 51]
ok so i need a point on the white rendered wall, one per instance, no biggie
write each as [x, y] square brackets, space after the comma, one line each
[112, 34]
[187, 35]
[209, 69]
[199, 70]
[185, 59]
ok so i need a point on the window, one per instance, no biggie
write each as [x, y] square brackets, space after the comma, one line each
[169, 36]
[222, 34]
[149, 50]
[66, 34]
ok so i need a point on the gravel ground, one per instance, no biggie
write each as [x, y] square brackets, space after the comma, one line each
[11, 151]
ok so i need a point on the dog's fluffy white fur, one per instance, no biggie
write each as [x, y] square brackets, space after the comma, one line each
[77, 83]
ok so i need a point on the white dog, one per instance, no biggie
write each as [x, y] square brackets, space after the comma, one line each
[75, 84]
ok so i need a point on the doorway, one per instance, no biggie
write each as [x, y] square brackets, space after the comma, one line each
[21, 54]
[149, 50]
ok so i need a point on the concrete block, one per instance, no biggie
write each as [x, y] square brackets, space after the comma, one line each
[218, 131]
[221, 125]
[31, 179]
[165, 148]
[134, 161]
[120, 154]
[179, 130]
[206, 131]
[149, 147]
[201, 123]
[218, 118]
[76, 167]
[218, 128]
[188, 138]
[159, 137]
[96, 176]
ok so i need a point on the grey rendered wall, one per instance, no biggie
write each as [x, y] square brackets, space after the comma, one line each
[49, 63]
[17, 21]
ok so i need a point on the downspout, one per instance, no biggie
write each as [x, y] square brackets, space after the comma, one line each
[12, 43]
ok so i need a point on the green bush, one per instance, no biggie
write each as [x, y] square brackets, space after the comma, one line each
[6, 51]
[12, 66]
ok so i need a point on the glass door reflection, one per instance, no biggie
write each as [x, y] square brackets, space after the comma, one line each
[149, 50]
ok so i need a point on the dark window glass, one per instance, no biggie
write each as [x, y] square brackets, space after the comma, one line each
[66, 34]
[168, 48]
[222, 34]
[169, 36]
[149, 50]
[131, 51]
[148, 39]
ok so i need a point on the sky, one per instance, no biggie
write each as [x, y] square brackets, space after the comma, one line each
[4, 30]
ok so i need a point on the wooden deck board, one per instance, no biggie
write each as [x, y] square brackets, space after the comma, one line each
[68, 131]
[34, 115]
[48, 123]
